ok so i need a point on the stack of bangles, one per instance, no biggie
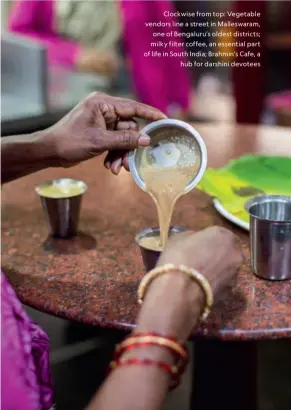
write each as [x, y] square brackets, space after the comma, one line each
[178, 349]
[140, 340]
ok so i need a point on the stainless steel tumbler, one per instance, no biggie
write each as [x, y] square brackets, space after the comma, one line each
[170, 130]
[270, 236]
[149, 256]
[62, 213]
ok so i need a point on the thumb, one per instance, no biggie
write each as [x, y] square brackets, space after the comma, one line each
[123, 139]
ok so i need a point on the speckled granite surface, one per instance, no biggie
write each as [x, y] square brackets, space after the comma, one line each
[93, 278]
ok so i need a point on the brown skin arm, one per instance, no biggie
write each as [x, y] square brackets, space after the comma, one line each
[172, 306]
[24, 154]
[98, 124]
[145, 387]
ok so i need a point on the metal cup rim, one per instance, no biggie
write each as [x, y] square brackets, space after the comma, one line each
[266, 199]
[71, 180]
[144, 232]
[178, 124]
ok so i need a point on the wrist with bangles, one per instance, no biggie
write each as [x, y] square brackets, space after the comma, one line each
[177, 349]
[196, 276]
[141, 340]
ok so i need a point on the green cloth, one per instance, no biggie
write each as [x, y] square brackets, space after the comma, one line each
[246, 177]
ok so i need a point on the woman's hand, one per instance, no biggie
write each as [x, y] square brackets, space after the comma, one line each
[214, 252]
[99, 123]
[174, 302]
[172, 307]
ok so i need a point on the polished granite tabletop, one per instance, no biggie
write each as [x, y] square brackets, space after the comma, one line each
[93, 278]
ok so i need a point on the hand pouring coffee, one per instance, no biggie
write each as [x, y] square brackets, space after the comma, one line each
[170, 167]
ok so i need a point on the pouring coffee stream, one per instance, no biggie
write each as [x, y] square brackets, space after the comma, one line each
[169, 168]
[166, 185]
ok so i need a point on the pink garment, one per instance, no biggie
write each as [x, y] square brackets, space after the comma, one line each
[26, 382]
[279, 100]
[160, 82]
[36, 19]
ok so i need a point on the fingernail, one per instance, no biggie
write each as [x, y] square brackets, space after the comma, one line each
[144, 140]
[116, 166]
[107, 164]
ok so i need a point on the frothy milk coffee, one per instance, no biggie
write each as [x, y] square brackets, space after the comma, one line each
[167, 168]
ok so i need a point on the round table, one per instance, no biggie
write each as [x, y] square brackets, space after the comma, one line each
[93, 278]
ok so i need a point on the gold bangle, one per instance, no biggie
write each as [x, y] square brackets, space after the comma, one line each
[192, 273]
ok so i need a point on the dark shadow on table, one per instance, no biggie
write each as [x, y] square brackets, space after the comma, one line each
[70, 246]
[233, 303]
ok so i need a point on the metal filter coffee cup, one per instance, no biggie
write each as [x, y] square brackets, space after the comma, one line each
[150, 256]
[171, 130]
[270, 236]
[63, 212]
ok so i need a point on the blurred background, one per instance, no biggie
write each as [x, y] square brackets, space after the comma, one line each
[55, 52]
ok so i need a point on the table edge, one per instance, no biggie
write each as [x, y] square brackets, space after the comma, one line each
[203, 333]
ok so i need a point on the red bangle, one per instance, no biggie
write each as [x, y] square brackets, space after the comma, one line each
[174, 339]
[171, 370]
[181, 362]
[178, 350]
[136, 343]
[146, 339]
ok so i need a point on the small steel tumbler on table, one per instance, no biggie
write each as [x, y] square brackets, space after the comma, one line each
[270, 236]
[62, 213]
[149, 256]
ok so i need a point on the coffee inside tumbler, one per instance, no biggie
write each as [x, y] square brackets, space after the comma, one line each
[149, 255]
[174, 145]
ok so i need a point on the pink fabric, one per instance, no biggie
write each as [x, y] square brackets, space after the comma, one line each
[160, 82]
[35, 19]
[279, 100]
[26, 381]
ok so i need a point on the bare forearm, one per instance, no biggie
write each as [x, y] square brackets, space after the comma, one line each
[132, 388]
[143, 387]
[23, 154]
